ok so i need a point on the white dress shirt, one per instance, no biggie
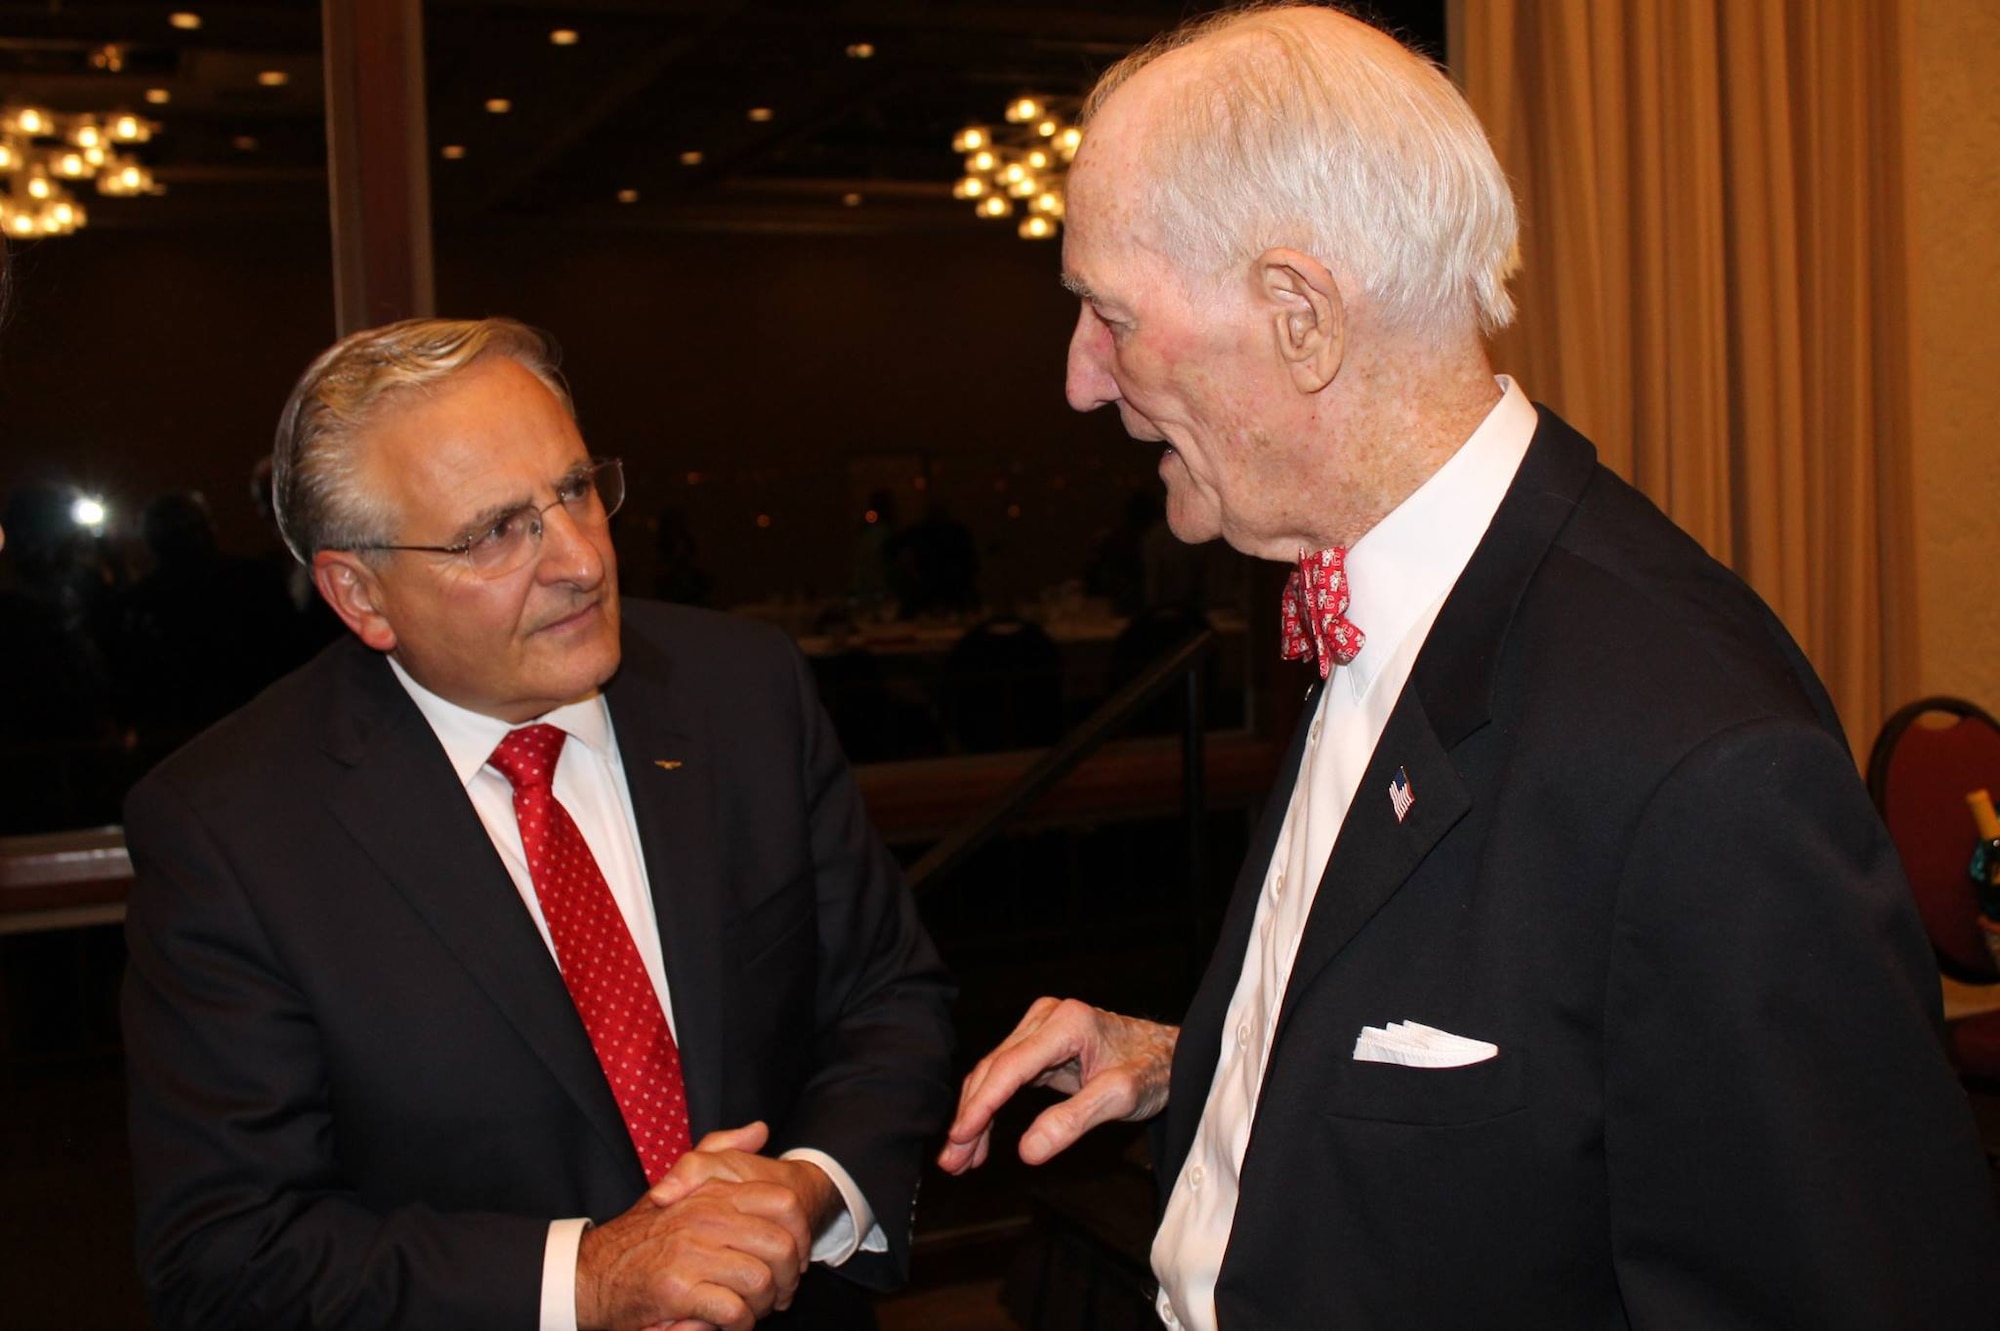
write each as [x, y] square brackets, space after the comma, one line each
[590, 785]
[1399, 574]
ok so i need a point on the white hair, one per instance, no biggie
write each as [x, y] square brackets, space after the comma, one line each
[1355, 150]
[313, 492]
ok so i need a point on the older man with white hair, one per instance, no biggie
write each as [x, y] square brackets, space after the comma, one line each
[1571, 980]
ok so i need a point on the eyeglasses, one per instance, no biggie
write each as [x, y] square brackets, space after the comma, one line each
[590, 495]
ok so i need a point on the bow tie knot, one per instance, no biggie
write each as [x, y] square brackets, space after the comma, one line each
[1314, 616]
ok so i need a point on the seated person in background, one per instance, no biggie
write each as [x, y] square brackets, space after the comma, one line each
[678, 576]
[1571, 982]
[459, 938]
[201, 632]
[936, 562]
[1117, 569]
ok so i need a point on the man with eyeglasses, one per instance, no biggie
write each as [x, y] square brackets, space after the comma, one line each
[512, 906]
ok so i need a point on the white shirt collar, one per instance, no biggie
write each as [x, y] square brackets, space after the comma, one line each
[1407, 562]
[470, 737]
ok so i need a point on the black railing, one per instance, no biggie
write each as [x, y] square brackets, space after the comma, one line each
[1115, 714]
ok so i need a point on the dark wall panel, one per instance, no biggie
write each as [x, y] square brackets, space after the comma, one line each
[742, 376]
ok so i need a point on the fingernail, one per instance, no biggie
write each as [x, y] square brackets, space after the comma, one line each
[1036, 1142]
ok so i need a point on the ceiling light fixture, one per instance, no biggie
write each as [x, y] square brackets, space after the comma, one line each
[499, 106]
[851, 199]
[861, 51]
[43, 153]
[563, 37]
[158, 96]
[452, 152]
[184, 20]
[628, 196]
[273, 78]
[760, 114]
[692, 157]
[1026, 160]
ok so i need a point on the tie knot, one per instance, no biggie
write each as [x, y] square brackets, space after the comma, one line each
[1314, 623]
[527, 757]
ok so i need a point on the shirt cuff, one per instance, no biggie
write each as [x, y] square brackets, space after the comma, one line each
[559, 1274]
[848, 1231]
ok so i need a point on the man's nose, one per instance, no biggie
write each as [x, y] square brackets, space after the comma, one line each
[568, 553]
[1089, 384]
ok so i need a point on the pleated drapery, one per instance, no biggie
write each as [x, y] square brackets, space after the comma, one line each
[1715, 285]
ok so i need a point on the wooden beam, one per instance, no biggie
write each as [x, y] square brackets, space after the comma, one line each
[377, 162]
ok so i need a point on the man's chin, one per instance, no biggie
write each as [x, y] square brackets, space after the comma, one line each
[1191, 528]
[578, 679]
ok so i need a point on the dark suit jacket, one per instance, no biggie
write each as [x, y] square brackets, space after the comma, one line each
[1641, 863]
[360, 1091]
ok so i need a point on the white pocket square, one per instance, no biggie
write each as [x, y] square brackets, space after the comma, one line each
[1415, 1045]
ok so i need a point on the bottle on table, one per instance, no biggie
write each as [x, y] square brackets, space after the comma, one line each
[1984, 868]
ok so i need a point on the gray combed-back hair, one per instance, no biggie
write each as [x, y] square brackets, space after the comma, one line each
[1365, 157]
[313, 488]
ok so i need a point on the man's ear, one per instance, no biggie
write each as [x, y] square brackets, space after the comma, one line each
[354, 590]
[1308, 316]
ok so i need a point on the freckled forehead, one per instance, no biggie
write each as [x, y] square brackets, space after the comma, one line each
[1106, 193]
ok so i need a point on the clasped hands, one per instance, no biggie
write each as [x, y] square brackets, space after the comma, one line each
[719, 1242]
[1111, 1067]
[723, 1239]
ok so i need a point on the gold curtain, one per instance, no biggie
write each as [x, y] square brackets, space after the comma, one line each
[1715, 288]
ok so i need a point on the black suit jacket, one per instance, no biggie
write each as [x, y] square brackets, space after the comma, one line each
[1640, 862]
[359, 1089]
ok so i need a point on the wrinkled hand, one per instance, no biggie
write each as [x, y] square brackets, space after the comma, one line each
[722, 1257]
[1111, 1067]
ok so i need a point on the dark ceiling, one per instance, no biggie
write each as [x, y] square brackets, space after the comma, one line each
[850, 143]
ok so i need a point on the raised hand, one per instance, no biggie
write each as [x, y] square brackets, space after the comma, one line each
[1111, 1067]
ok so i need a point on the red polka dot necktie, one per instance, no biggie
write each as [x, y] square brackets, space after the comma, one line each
[1314, 616]
[600, 963]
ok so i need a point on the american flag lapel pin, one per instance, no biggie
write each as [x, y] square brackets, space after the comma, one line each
[1401, 796]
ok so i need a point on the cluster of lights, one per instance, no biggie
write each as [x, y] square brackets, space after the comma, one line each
[1023, 164]
[43, 155]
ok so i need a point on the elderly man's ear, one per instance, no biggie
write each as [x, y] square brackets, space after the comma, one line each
[352, 589]
[1308, 318]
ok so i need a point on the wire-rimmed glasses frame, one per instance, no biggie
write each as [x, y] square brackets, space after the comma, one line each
[590, 495]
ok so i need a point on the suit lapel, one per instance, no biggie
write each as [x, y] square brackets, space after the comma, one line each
[1376, 852]
[671, 775]
[404, 805]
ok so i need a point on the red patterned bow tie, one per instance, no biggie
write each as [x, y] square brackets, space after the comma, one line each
[1314, 617]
